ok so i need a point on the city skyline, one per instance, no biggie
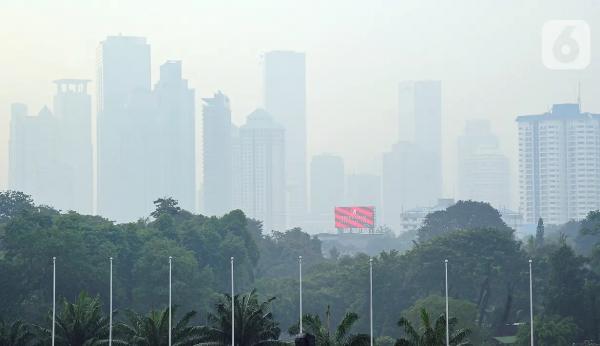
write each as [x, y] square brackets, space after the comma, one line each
[367, 68]
[419, 110]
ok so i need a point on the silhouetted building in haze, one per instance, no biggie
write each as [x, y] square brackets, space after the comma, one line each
[123, 126]
[285, 100]
[326, 190]
[262, 152]
[217, 158]
[51, 154]
[174, 137]
[483, 171]
[412, 169]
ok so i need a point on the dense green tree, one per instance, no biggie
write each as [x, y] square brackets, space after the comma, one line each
[81, 323]
[553, 330]
[279, 253]
[324, 336]
[165, 206]
[462, 215]
[539, 234]
[152, 329]
[432, 333]
[18, 333]
[465, 313]
[254, 322]
[12, 203]
[564, 295]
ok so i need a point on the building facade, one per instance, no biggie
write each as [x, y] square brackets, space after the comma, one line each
[483, 171]
[217, 159]
[50, 155]
[123, 124]
[412, 168]
[326, 190]
[559, 164]
[262, 153]
[174, 137]
[285, 100]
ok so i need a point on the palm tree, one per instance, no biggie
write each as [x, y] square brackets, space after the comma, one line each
[254, 323]
[153, 329]
[80, 323]
[432, 335]
[17, 333]
[323, 336]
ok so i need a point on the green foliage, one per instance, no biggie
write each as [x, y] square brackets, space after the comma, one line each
[81, 323]
[552, 330]
[324, 336]
[152, 329]
[488, 273]
[12, 203]
[165, 206]
[254, 322]
[539, 234]
[17, 333]
[462, 215]
[432, 333]
[464, 311]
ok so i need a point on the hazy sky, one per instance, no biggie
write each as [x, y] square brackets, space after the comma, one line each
[486, 52]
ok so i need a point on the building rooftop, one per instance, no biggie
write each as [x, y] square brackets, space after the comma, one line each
[562, 111]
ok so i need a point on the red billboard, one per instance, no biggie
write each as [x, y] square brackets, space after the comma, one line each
[355, 217]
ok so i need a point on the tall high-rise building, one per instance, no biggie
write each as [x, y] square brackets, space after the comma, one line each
[326, 189]
[73, 110]
[483, 171]
[285, 99]
[124, 121]
[174, 138]
[51, 153]
[403, 183]
[33, 158]
[217, 148]
[420, 120]
[559, 164]
[262, 146]
[412, 169]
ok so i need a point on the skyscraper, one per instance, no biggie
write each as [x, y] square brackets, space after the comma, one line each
[33, 167]
[262, 144]
[123, 122]
[420, 120]
[326, 189]
[285, 100]
[559, 164]
[174, 137]
[217, 148]
[73, 110]
[412, 169]
[51, 153]
[403, 183]
[483, 171]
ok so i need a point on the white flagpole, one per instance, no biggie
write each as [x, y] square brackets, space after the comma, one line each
[232, 308]
[300, 271]
[110, 311]
[53, 298]
[170, 272]
[531, 302]
[447, 312]
[371, 297]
